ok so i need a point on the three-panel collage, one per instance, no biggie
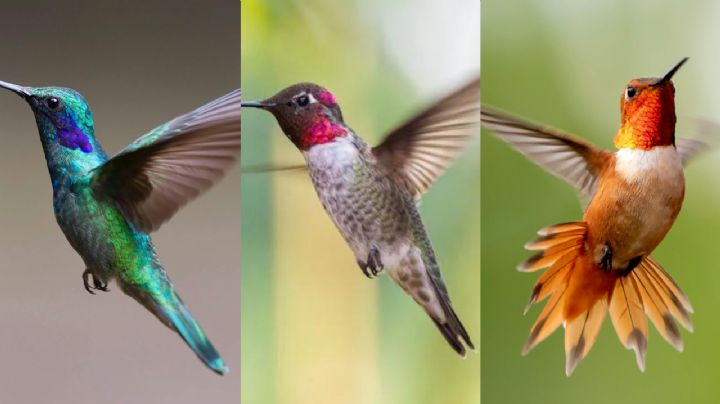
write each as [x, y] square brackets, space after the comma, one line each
[311, 202]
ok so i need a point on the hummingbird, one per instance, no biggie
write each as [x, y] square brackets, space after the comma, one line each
[106, 207]
[370, 193]
[602, 263]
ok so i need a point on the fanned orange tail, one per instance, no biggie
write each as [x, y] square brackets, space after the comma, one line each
[581, 293]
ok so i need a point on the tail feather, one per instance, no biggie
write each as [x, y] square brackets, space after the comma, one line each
[628, 317]
[554, 242]
[419, 276]
[552, 278]
[567, 228]
[664, 301]
[581, 333]
[545, 258]
[547, 322]
[548, 240]
[580, 294]
[658, 312]
[452, 329]
[674, 297]
[167, 306]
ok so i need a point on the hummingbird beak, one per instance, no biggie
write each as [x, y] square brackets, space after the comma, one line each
[19, 90]
[256, 104]
[671, 73]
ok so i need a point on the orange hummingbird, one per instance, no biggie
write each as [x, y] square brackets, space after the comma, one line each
[632, 196]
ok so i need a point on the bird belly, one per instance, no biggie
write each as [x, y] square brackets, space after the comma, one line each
[100, 235]
[365, 206]
[636, 205]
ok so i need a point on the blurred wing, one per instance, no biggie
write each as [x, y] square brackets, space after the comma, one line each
[272, 168]
[162, 171]
[706, 138]
[570, 158]
[689, 148]
[422, 148]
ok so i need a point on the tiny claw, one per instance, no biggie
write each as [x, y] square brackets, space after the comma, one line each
[606, 259]
[373, 266]
[86, 275]
[97, 283]
[374, 262]
[364, 268]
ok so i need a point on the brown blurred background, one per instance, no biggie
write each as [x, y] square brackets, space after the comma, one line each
[137, 66]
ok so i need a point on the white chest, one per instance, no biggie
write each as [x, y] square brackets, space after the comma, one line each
[335, 156]
[661, 165]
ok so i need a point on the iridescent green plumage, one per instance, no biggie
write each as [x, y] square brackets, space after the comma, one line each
[107, 207]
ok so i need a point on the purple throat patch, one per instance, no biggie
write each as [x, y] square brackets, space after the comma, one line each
[74, 138]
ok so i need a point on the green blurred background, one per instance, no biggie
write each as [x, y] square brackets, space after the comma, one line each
[314, 329]
[565, 63]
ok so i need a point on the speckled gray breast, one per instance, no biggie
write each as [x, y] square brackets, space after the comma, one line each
[368, 209]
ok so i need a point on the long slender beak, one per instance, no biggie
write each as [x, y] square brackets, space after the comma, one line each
[671, 73]
[255, 104]
[19, 90]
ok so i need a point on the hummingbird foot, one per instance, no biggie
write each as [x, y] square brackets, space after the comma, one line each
[373, 266]
[606, 259]
[97, 283]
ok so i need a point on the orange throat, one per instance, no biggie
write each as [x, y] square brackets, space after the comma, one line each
[644, 137]
[647, 123]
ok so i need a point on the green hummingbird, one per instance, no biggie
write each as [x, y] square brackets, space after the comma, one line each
[107, 207]
[370, 193]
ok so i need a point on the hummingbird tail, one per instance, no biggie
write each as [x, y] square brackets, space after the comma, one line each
[170, 309]
[581, 294]
[421, 279]
[452, 328]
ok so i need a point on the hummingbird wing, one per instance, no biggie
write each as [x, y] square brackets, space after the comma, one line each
[270, 168]
[568, 157]
[706, 139]
[162, 171]
[418, 151]
[689, 148]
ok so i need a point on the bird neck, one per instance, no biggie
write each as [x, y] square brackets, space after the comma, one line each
[67, 157]
[322, 130]
[647, 125]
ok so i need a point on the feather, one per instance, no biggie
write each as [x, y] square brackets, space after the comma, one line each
[563, 155]
[554, 282]
[418, 151]
[628, 317]
[663, 304]
[162, 171]
[581, 333]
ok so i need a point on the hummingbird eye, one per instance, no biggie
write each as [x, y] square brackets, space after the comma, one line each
[303, 100]
[52, 102]
[630, 92]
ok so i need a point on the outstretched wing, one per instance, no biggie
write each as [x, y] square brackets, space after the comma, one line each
[566, 156]
[162, 171]
[418, 151]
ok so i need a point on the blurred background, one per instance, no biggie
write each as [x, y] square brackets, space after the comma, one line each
[565, 64]
[315, 329]
[138, 66]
